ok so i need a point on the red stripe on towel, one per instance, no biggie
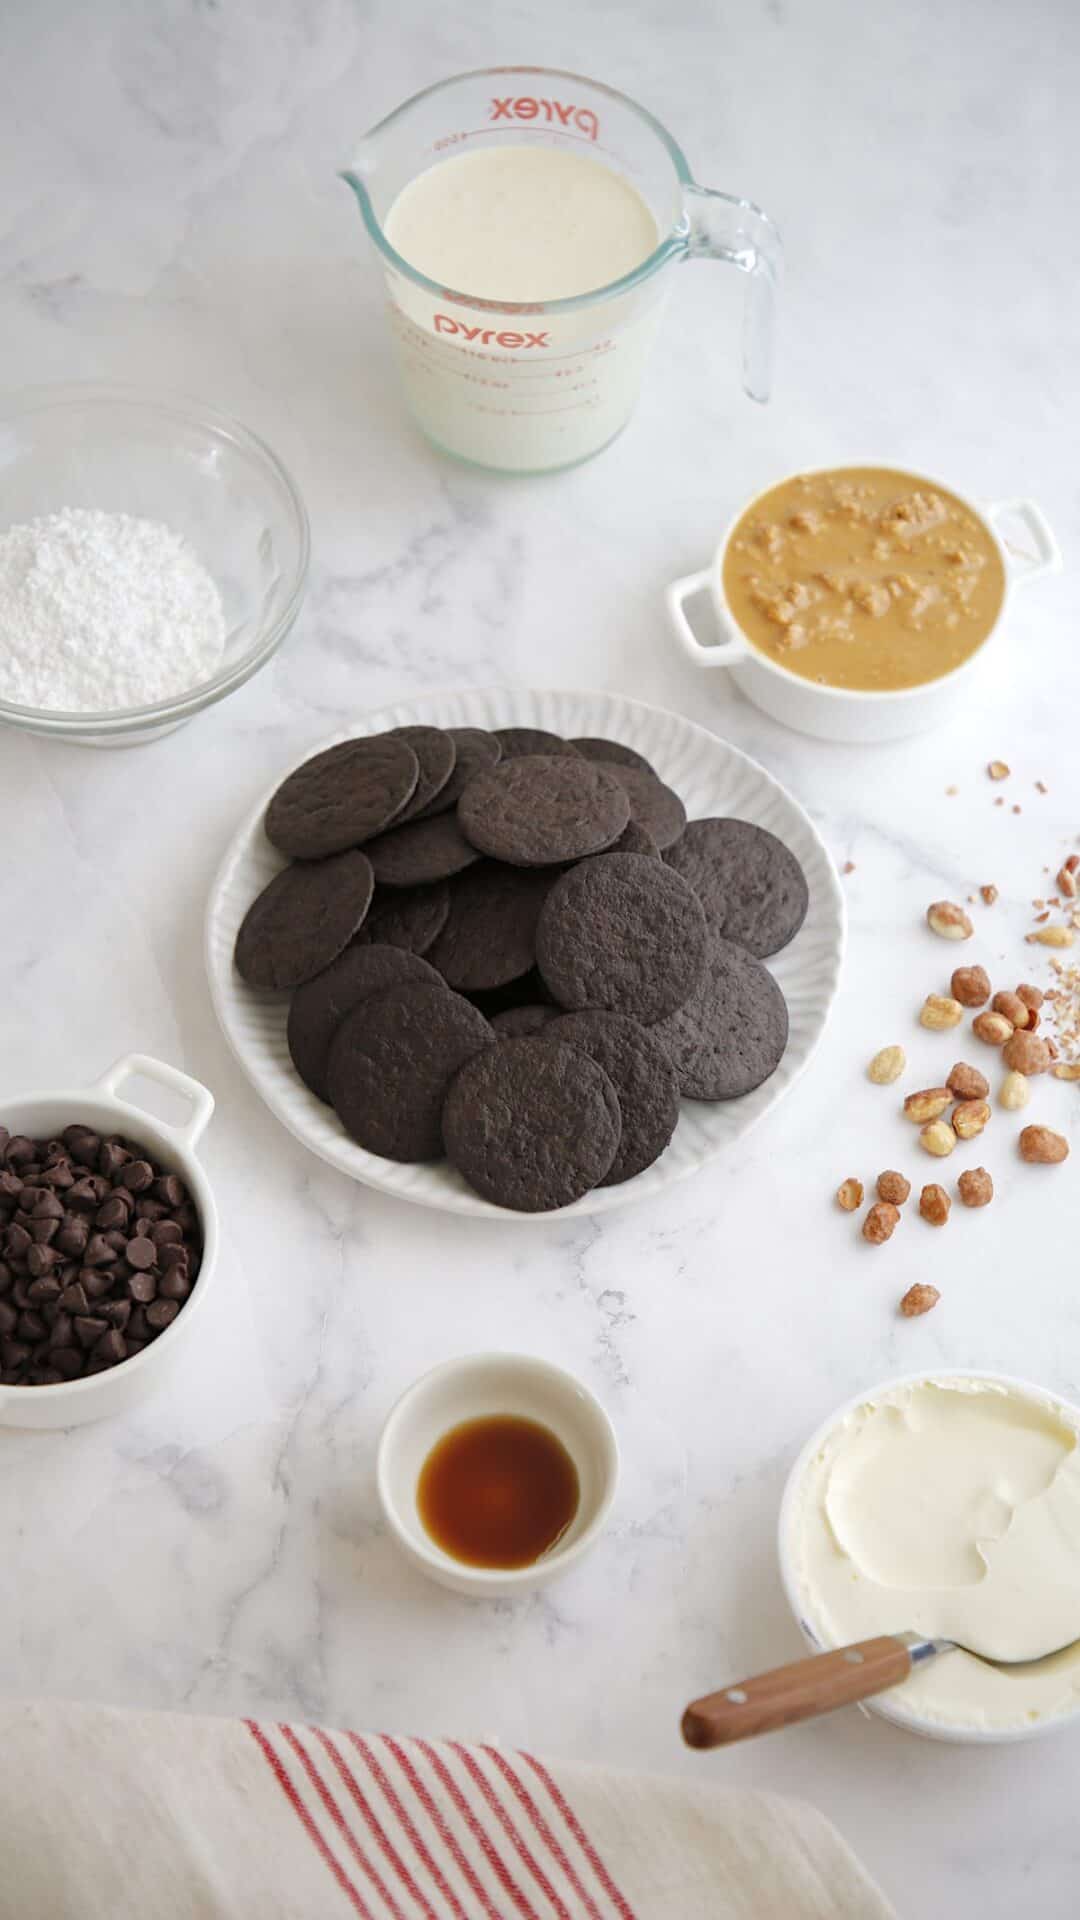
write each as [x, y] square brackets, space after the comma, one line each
[408, 1826]
[351, 1892]
[440, 1825]
[492, 1801]
[375, 1828]
[341, 1825]
[479, 1833]
[528, 1806]
[619, 1902]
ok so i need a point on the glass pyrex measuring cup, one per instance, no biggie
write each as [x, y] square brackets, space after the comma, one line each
[527, 387]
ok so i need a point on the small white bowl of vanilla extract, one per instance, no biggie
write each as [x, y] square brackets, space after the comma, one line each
[496, 1473]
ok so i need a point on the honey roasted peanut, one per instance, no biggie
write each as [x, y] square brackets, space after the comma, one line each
[975, 1187]
[886, 1066]
[1051, 937]
[969, 1118]
[934, 1204]
[1026, 1053]
[849, 1194]
[993, 1028]
[967, 1083]
[930, 1104]
[1016, 1011]
[919, 1299]
[1031, 996]
[881, 1222]
[1041, 1146]
[971, 986]
[949, 921]
[938, 1012]
[892, 1186]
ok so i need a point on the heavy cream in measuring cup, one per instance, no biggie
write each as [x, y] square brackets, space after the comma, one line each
[950, 1507]
[519, 226]
[522, 224]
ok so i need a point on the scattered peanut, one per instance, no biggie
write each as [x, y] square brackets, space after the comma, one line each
[967, 1083]
[1051, 937]
[938, 1138]
[880, 1223]
[919, 1299]
[993, 1028]
[849, 1195]
[1067, 1070]
[969, 1118]
[886, 1066]
[1042, 1147]
[998, 770]
[975, 1187]
[1015, 1092]
[944, 917]
[1026, 1053]
[934, 1204]
[930, 1104]
[1066, 881]
[1032, 997]
[1016, 1011]
[939, 1013]
[893, 1187]
[989, 894]
[971, 986]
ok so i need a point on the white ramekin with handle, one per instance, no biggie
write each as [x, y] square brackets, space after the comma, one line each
[73, 1402]
[856, 715]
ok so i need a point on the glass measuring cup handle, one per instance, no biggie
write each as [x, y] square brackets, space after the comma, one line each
[723, 227]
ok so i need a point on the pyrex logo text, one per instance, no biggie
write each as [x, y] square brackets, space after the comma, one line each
[487, 336]
[553, 111]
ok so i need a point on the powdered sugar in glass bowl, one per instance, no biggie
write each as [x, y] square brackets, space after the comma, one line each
[169, 460]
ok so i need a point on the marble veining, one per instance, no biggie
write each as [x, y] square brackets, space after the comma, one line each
[169, 213]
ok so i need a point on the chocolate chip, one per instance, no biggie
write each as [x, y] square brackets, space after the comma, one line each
[173, 1256]
[166, 1233]
[59, 1175]
[68, 1362]
[112, 1213]
[73, 1235]
[98, 1281]
[40, 1230]
[10, 1187]
[89, 1329]
[141, 1252]
[82, 1197]
[19, 1151]
[8, 1317]
[111, 1158]
[13, 1354]
[83, 1144]
[44, 1290]
[137, 1176]
[74, 1300]
[39, 1259]
[117, 1313]
[171, 1189]
[116, 1240]
[98, 1252]
[138, 1327]
[142, 1287]
[174, 1285]
[111, 1347]
[61, 1333]
[162, 1314]
[31, 1327]
[48, 1207]
[6, 1277]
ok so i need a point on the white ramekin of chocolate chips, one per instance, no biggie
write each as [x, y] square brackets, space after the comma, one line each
[108, 1245]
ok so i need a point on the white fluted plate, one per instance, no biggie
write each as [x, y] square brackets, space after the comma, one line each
[710, 776]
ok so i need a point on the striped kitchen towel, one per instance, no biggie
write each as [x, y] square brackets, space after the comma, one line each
[105, 1815]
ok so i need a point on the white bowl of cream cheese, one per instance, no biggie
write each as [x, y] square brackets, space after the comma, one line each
[949, 1504]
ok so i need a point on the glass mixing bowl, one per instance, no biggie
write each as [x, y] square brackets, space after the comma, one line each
[166, 458]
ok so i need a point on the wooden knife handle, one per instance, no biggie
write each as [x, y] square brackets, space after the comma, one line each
[797, 1692]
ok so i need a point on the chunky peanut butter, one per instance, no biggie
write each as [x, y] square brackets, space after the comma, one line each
[863, 577]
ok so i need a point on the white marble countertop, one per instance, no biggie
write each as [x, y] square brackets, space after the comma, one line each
[169, 213]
